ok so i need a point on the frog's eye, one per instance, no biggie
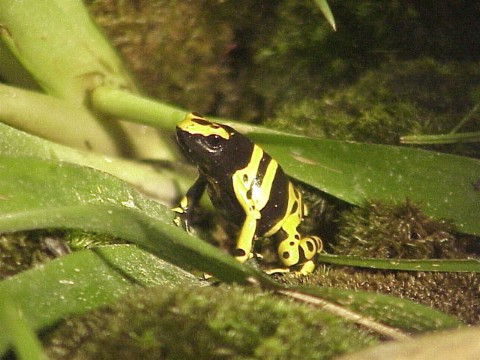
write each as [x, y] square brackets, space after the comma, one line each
[214, 141]
[211, 143]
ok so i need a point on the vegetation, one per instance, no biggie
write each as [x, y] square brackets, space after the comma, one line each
[90, 256]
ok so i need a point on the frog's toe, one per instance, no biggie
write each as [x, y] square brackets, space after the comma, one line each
[306, 268]
[241, 255]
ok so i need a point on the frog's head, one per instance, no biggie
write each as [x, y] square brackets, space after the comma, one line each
[213, 147]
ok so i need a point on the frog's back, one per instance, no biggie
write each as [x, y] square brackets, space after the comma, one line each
[259, 186]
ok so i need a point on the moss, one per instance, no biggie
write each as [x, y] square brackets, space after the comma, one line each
[204, 323]
[22, 250]
[301, 57]
[398, 231]
[400, 98]
[456, 294]
[183, 52]
[382, 230]
[79, 239]
[246, 60]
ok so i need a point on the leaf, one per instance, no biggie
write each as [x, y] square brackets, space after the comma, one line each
[62, 65]
[473, 136]
[37, 194]
[442, 184]
[69, 68]
[325, 9]
[151, 179]
[444, 265]
[84, 280]
[15, 329]
[457, 344]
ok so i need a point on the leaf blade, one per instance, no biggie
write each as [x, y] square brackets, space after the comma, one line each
[44, 194]
[81, 281]
[354, 172]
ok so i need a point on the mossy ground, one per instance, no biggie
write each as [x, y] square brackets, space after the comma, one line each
[204, 323]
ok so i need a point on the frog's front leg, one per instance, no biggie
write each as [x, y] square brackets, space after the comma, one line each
[189, 202]
[242, 187]
[243, 250]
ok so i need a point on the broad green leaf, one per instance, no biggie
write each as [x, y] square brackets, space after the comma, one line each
[159, 184]
[38, 194]
[42, 194]
[442, 184]
[84, 280]
[63, 65]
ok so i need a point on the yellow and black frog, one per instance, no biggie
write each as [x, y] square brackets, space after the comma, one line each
[249, 189]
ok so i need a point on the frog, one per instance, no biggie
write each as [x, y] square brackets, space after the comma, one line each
[249, 189]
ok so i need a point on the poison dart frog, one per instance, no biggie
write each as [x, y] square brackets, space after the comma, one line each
[248, 188]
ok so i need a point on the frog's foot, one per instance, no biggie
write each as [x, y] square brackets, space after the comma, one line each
[257, 256]
[306, 268]
[182, 219]
[299, 270]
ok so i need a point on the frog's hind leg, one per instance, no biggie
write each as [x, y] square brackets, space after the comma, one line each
[309, 247]
[297, 252]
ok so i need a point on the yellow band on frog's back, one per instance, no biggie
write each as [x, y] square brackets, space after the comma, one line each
[194, 124]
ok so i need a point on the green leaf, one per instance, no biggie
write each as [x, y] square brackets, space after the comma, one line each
[37, 194]
[42, 194]
[325, 9]
[442, 139]
[154, 181]
[83, 62]
[69, 68]
[444, 265]
[16, 329]
[81, 281]
[441, 184]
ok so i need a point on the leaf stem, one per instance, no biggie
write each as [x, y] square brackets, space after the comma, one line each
[441, 139]
[135, 108]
